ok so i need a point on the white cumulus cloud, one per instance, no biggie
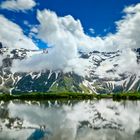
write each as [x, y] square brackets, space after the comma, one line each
[66, 37]
[12, 36]
[18, 5]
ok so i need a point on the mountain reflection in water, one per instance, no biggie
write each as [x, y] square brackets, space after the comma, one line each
[70, 120]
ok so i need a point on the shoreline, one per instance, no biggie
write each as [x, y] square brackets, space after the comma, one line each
[70, 96]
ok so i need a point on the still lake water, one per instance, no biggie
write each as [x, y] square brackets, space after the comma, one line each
[70, 120]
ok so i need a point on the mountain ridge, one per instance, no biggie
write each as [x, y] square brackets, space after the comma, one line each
[101, 78]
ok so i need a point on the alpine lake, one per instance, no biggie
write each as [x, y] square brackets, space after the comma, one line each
[94, 119]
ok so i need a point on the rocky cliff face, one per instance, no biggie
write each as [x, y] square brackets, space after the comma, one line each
[102, 76]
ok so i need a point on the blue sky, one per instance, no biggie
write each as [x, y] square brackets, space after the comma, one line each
[97, 14]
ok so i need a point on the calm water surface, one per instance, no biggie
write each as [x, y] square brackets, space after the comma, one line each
[70, 120]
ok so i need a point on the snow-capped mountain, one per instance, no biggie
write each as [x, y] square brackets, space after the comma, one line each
[105, 74]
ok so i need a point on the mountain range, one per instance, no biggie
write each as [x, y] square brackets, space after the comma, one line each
[102, 74]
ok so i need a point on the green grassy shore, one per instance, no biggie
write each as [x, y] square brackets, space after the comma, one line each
[69, 96]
